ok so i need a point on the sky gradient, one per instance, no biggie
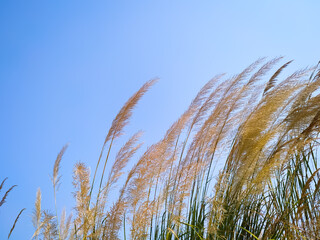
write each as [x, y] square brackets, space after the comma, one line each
[67, 67]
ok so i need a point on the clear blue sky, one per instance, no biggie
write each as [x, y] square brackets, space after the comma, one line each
[67, 67]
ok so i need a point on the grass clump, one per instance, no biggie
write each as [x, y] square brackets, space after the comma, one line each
[240, 163]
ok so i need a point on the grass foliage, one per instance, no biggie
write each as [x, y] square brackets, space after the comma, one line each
[240, 163]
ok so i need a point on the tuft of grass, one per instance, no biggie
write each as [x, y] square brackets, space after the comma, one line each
[240, 163]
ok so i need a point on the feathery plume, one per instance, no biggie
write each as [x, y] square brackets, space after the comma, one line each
[3, 200]
[56, 167]
[62, 223]
[36, 218]
[273, 79]
[125, 113]
[123, 157]
[81, 182]
[65, 232]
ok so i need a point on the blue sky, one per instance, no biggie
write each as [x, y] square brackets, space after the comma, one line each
[67, 67]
